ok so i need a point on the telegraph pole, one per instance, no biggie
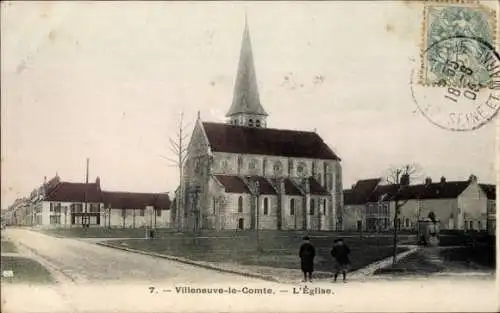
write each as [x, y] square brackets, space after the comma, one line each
[85, 214]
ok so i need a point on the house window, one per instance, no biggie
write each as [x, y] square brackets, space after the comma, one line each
[240, 204]
[407, 222]
[471, 225]
[311, 208]
[292, 206]
[94, 207]
[124, 212]
[250, 122]
[78, 207]
[51, 207]
[141, 213]
[158, 212]
[55, 219]
[266, 206]
[479, 225]
[257, 123]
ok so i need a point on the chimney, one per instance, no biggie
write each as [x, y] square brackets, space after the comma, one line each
[443, 180]
[405, 179]
[472, 178]
[44, 180]
[98, 181]
[428, 181]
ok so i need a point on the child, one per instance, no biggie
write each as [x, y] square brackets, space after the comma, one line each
[340, 252]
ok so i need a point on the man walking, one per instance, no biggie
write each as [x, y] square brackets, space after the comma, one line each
[340, 252]
[307, 254]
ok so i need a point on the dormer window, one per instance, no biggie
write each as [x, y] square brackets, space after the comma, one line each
[250, 122]
[257, 123]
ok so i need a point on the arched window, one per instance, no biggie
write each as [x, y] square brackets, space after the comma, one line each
[324, 206]
[250, 122]
[266, 206]
[292, 206]
[311, 208]
[240, 204]
[257, 123]
[214, 205]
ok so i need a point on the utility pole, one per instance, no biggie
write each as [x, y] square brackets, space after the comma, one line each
[85, 214]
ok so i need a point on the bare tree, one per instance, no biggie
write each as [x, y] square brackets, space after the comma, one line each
[178, 147]
[400, 176]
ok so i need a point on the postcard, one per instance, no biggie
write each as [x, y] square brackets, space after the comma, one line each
[249, 156]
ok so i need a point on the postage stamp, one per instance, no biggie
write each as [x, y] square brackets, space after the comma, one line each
[445, 20]
[458, 83]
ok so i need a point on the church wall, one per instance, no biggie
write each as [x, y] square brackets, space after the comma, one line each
[230, 215]
[296, 220]
[268, 221]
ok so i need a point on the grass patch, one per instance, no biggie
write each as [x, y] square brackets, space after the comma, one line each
[277, 249]
[8, 247]
[25, 271]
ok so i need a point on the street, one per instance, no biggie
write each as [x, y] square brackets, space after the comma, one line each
[95, 278]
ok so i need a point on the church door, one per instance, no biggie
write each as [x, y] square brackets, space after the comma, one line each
[241, 223]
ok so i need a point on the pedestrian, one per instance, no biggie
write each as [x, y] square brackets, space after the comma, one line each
[307, 254]
[340, 252]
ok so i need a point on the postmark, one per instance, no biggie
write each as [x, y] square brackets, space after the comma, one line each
[458, 85]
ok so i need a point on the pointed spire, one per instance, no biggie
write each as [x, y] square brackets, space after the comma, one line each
[246, 94]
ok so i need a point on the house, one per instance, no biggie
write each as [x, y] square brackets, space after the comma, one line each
[68, 204]
[456, 204]
[128, 209]
[244, 175]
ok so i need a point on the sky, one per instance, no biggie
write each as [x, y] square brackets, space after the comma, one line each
[108, 80]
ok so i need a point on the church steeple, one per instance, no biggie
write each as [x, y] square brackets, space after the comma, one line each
[246, 108]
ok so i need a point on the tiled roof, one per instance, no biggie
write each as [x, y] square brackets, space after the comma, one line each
[316, 189]
[445, 190]
[133, 200]
[265, 187]
[361, 192]
[489, 190]
[266, 141]
[232, 184]
[291, 189]
[74, 192]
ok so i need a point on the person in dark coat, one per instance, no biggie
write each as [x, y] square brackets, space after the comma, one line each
[307, 254]
[340, 252]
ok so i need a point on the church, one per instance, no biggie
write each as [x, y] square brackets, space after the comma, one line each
[242, 174]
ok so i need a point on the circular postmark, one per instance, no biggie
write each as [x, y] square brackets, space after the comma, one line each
[458, 87]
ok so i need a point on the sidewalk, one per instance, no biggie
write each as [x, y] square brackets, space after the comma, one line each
[281, 275]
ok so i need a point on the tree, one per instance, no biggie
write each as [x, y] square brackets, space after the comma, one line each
[178, 146]
[401, 177]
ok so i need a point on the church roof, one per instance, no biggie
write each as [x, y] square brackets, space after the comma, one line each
[267, 141]
[246, 94]
[315, 188]
[232, 184]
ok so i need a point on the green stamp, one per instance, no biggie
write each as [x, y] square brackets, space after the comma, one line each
[445, 49]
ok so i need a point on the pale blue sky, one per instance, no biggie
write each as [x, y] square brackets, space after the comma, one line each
[106, 80]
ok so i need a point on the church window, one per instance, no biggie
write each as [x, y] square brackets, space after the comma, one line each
[292, 206]
[324, 206]
[301, 169]
[224, 165]
[266, 206]
[252, 166]
[250, 122]
[240, 204]
[257, 123]
[311, 208]
[277, 168]
[214, 203]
